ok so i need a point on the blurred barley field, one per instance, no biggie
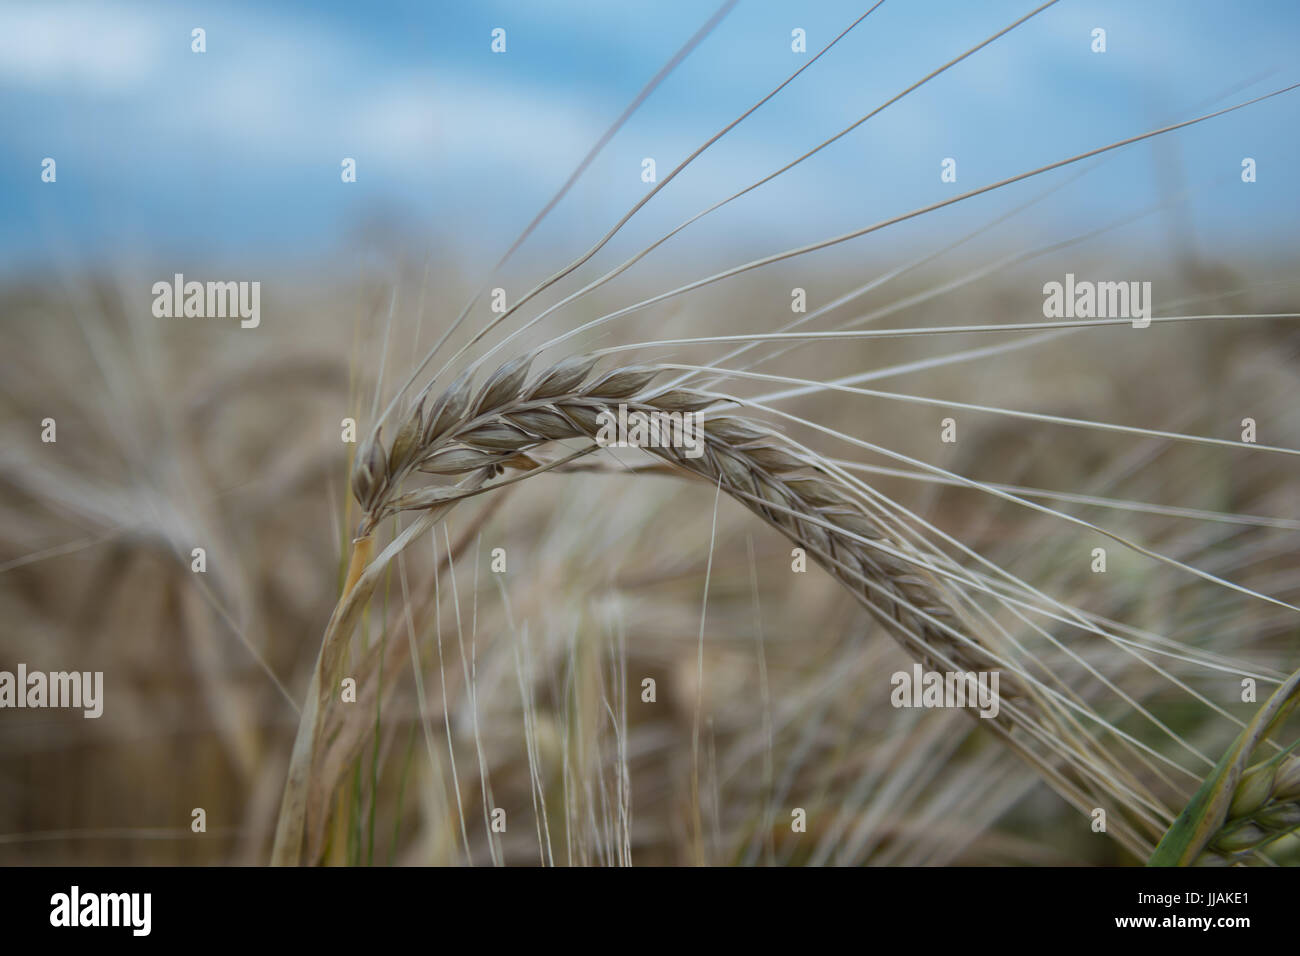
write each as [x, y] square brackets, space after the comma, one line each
[522, 690]
[235, 444]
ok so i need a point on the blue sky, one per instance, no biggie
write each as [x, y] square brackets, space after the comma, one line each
[233, 156]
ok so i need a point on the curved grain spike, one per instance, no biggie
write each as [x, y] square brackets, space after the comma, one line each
[785, 484]
[752, 463]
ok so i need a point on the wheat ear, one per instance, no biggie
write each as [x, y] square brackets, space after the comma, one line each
[1265, 806]
[476, 434]
[464, 433]
[1239, 809]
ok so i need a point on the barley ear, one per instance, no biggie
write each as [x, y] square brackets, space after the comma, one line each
[1207, 831]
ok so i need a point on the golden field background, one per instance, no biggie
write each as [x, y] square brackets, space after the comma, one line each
[174, 434]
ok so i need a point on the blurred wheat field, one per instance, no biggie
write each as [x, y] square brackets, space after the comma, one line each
[517, 695]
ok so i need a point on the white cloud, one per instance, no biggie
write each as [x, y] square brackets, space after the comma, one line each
[77, 47]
